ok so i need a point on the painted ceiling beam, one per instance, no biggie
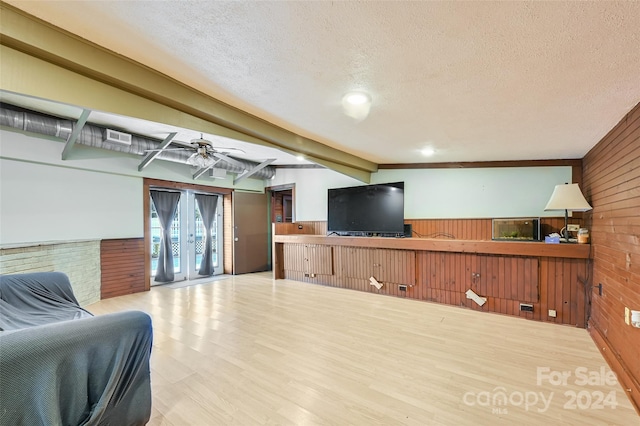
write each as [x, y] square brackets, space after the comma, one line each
[98, 70]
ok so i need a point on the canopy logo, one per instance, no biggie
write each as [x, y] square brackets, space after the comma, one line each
[591, 398]
[499, 400]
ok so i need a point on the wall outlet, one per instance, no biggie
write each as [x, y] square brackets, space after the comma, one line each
[553, 313]
[627, 316]
[573, 227]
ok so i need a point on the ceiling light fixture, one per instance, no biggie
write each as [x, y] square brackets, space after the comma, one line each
[428, 152]
[300, 157]
[356, 105]
[357, 98]
[201, 160]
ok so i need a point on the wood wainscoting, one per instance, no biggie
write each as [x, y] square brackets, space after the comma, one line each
[318, 227]
[474, 229]
[460, 229]
[122, 267]
[549, 277]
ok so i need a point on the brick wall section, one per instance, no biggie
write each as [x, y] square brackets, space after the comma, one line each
[79, 260]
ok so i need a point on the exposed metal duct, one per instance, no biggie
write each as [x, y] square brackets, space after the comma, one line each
[92, 135]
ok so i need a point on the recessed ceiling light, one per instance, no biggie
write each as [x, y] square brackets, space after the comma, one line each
[357, 98]
[356, 105]
[428, 152]
[300, 157]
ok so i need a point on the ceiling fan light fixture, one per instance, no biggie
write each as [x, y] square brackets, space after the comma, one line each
[200, 161]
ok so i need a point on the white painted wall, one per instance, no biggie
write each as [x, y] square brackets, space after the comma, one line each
[49, 203]
[477, 193]
[96, 194]
[311, 189]
[440, 193]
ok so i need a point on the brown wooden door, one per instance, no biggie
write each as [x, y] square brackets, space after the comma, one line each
[251, 233]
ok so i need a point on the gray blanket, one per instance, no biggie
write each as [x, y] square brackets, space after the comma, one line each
[59, 365]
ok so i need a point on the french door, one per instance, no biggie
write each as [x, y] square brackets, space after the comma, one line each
[188, 238]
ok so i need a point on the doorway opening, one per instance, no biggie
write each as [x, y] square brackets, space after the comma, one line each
[282, 203]
[196, 237]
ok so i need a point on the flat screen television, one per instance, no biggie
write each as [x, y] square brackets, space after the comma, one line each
[367, 210]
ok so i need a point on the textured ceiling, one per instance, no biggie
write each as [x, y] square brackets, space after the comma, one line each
[478, 81]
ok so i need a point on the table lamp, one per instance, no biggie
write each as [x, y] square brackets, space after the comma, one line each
[567, 197]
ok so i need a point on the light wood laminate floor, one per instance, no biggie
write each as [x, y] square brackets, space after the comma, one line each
[249, 350]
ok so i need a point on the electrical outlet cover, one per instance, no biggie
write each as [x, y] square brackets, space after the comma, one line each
[553, 313]
[573, 227]
[627, 315]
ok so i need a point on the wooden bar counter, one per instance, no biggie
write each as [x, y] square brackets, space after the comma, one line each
[545, 282]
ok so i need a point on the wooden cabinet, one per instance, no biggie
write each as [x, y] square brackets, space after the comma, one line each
[310, 259]
[504, 277]
[390, 266]
[554, 278]
[499, 277]
[319, 259]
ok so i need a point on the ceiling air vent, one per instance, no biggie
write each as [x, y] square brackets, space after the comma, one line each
[117, 137]
[217, 173]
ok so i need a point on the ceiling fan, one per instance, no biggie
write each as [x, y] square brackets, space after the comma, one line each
[206, 155]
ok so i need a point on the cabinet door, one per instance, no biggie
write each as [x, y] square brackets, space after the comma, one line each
[510, 278]
[294, 257]
[395, 266]
[319, 259]
[385, 265]
[358, 262]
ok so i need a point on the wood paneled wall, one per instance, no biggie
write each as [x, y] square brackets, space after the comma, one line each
[475, 229]
[460, 229]
[318, 227]
[547, 283]
[611, 183]
[122, 267]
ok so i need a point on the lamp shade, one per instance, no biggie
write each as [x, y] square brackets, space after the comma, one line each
[568, 197]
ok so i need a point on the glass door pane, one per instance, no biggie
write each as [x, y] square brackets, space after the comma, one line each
[201, 239]
[188, 239]
[177, 242]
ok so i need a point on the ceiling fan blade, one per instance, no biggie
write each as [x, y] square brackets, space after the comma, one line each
[166, 149]
[180, 144]
[228, 159]
[225, 149]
